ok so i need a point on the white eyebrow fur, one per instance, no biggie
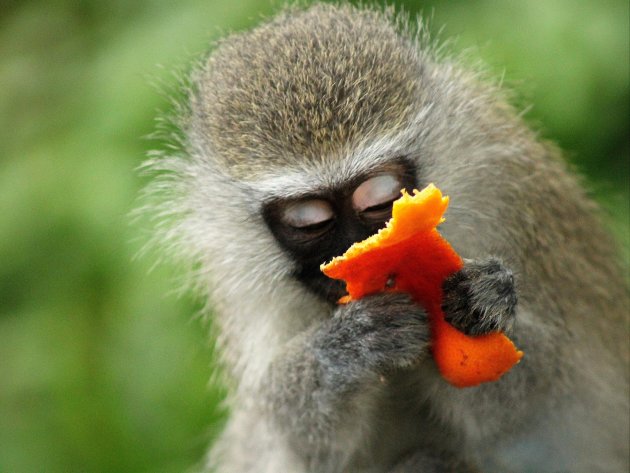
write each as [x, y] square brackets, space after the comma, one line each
[329, 173]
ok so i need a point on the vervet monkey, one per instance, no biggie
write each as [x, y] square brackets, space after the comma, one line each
[297, 137]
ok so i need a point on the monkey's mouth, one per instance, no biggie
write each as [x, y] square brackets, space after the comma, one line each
[330, 290]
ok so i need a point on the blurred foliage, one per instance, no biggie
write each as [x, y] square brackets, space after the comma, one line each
[102, 367]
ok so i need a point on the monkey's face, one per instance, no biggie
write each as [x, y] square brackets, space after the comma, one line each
[310, 115]
[315, 227]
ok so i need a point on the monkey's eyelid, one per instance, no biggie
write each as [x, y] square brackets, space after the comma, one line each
[308, 214]
[377, 193]
[319, 228]
[380, 207]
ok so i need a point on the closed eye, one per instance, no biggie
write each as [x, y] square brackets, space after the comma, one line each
[316, 226]
[313, 216]
[373, 198]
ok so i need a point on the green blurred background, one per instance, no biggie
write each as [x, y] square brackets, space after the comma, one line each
[103, 368]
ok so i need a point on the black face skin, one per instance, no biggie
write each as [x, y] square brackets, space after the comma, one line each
[313, 245]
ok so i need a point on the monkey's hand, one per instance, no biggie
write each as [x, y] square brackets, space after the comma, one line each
[322, 386]
[375, 334]
[480, 298]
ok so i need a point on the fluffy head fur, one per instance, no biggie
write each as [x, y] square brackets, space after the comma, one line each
[305, 86]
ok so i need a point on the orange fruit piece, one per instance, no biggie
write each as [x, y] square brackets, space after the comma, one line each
[409, 255]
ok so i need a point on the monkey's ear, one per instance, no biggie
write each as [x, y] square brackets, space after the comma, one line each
[409, 255]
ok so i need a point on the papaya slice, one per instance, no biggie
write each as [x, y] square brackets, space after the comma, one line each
[409, 255]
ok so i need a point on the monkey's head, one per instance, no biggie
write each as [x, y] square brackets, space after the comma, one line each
[310, 125]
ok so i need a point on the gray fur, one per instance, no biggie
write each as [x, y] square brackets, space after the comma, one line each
[429, 462]
[327, 375]
[481, 298]
[287, 89]
[326, 93]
